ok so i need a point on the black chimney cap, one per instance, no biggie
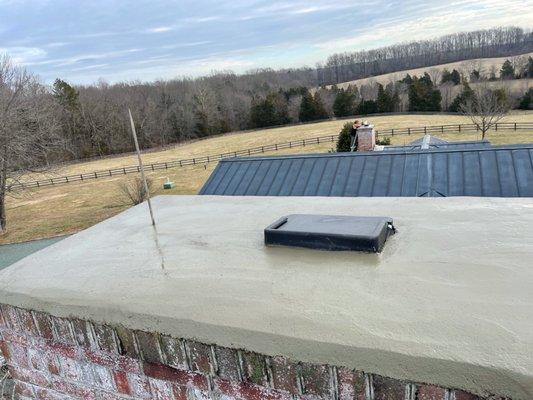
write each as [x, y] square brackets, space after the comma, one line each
[330, 232]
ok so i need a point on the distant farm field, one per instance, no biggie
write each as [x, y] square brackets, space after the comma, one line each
[484, 65]
[68, 208]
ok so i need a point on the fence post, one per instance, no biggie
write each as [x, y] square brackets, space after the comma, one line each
[392, 132]
[81, 177]
[459, 127]
[124, 169]
[442, 128]
[515, 126]
[496, 126]
[110, 174]
[166, 166]
[95, 175]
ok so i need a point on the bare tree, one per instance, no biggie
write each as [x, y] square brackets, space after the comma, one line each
[485, 107]
[133, 190]
[28, 129]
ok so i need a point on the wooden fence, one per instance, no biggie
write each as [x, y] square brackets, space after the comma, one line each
[451, 128]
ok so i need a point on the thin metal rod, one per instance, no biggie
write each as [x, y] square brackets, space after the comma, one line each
[141, 167]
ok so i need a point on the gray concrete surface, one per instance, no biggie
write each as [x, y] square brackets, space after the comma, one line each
[449, 301]
[11, 253]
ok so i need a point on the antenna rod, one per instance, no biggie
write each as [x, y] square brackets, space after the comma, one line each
[141, 167]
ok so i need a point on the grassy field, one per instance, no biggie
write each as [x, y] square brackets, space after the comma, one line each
[481, 64]
[62, 209]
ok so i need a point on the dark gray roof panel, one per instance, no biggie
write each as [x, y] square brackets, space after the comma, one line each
[497, 171]
[439, 144]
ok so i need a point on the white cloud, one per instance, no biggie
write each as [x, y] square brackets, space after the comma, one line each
[24, 55]
[159, 29]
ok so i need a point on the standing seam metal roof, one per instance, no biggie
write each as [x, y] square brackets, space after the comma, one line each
[497, 171]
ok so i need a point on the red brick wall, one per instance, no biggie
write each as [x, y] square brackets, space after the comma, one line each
[366, 139]
[57, 358]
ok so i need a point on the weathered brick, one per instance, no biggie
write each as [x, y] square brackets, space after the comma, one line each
[37, 360]
[52, 363]
[103, 377]
[244, 390]
[254, 368]
[71, 389]
[199, 356]
[180, 377]
[315, 379]
[29, 376]
[64, 350]
[44, 324]
[4, 349]
[18, 355]
[106, 338]
[197, 394]
[11, 317]
[24, 389]
[69, 369]
[27, 324]
[173, 352]
[149, 346]
[285, 374]
[121, 382]
[139, 385]
[3, 322]
[113, 361]
[180, 392]
[126, 341]
[388, 388]
[161, 390]
[62, 330]
[83, 333]
[227, 361]
[48, 394]
[351, 384]
[461, 395]
[430, 392]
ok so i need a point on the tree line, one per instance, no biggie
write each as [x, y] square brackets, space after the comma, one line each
[498, 42]
[93, 123]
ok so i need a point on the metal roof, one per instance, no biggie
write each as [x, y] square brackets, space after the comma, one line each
[435, 143]
[496, 171]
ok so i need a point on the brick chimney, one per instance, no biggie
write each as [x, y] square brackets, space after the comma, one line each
[366, 138]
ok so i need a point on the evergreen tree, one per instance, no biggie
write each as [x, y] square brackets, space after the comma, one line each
[529, 68]
[446, 76]
[507, 71]
[384, 101]
[407, 79]
[270, 111]
[475, 76]
[526, 102]
[453, 77]
[344, 141]
[367, 107]
[423, 96]
[461, 98]
[344, 104]
[456, 77]
[320, 109]
[65, 94]
[312, 108]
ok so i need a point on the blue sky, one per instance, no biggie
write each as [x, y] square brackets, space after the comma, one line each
[82, 41]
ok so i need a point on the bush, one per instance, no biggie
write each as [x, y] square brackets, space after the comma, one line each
[383, 142]
[344, 141]
[132, 190]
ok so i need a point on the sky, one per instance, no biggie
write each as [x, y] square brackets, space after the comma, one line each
[82, 41]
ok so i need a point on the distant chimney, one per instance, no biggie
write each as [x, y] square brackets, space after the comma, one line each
[366, 138]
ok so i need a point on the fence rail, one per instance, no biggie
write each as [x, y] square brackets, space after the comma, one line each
[257, 150]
